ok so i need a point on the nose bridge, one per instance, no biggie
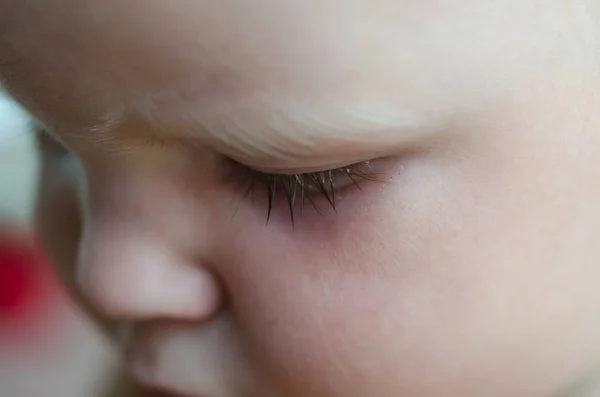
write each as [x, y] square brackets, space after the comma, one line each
[173, 206]
[137, 257]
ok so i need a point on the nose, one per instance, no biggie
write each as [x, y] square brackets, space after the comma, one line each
[130, 275]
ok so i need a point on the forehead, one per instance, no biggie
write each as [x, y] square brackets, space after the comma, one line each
[262, 79]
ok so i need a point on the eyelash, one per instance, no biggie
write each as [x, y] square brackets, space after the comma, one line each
[303, 185]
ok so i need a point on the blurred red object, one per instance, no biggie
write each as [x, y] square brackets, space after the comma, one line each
[28, 290]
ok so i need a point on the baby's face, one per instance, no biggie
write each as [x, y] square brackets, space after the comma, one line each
[463, 262]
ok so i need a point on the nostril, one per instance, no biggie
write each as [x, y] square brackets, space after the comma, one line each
[147, 282]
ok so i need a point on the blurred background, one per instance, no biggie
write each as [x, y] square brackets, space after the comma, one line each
[47, 347]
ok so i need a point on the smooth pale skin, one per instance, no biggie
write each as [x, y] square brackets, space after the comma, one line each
[473, 271]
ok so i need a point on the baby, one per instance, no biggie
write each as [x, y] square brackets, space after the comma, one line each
[314, 198]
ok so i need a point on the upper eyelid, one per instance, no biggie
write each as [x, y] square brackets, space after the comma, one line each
[312, 151]
[359, 169]
[122, 145]
[280, 133]
[297, 170]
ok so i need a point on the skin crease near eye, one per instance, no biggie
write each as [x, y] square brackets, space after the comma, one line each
[429, 171]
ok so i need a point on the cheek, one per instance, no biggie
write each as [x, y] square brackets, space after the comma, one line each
[436, 275]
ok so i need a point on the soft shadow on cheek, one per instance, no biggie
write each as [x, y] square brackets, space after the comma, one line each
[369, 286]
[313, 289]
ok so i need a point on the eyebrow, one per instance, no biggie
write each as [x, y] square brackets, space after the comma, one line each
[278, 133]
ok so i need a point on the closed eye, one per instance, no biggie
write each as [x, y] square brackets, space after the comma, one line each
[302, 187]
